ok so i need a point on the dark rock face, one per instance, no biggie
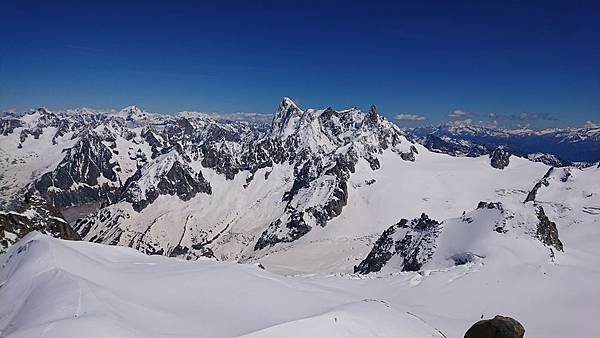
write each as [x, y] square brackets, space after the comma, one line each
[296, 227]
[490, 205]
[497, 327]
[380, 254]
[185, 253]
[410, 156]
[547, 231]
[33, 214]
[308, 176]
[111, 229]
[418, 247]
[75, 181]
[414, 241]
[544, 181]
[8, 125]
[499, 158]
[183, 182]
[178, 180]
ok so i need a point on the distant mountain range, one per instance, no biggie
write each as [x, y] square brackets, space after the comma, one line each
[557, 146]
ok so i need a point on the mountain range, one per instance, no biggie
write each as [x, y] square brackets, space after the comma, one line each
[555, 146]
[343, 193]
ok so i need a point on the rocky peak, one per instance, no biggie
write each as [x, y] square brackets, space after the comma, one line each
[41, 111]
[372, 116]
[286, 118]
[499, 158]
[132, 113]
[168, 174]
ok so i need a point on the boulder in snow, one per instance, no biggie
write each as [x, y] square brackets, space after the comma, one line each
[497, 327]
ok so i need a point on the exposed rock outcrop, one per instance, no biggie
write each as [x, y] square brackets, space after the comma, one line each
[547, 231]
[544, 181]
[413, 241]
[500, 158]
[86, 174]
[490, 205]
[497, 327]
[33, 214]
[171, 177]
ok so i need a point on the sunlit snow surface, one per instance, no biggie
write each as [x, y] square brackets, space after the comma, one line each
[54, 288]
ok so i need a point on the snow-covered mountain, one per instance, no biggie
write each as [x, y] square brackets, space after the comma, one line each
[261, 190]
[319, 191]
[188, 184]
[554, 146]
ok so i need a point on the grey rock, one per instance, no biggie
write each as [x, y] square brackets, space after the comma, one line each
[414, 241]
[75, 180]
[497, 327]
[41, 216]
[500, 158]
[544, 181]
[547, 231]
[490, 205]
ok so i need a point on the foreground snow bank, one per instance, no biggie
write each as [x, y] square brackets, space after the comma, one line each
[55, 288]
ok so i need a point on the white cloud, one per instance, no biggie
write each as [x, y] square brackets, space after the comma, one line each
[410, 117]
[590, 124]
[461, 123]
[522, 117]
[459, 114]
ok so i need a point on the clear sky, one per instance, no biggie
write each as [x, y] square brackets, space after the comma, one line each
[525, 62]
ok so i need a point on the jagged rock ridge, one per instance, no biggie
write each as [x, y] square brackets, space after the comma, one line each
[410, 246]
[132, 158]
[413, 242]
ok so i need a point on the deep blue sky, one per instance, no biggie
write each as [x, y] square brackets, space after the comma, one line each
[507, 58]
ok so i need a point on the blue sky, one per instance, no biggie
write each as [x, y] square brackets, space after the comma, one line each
[526, 62]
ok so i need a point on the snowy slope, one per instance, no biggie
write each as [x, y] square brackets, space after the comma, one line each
[55, 288]
[439, 185]
[499, 259]
[64, 289]
[20, 165]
